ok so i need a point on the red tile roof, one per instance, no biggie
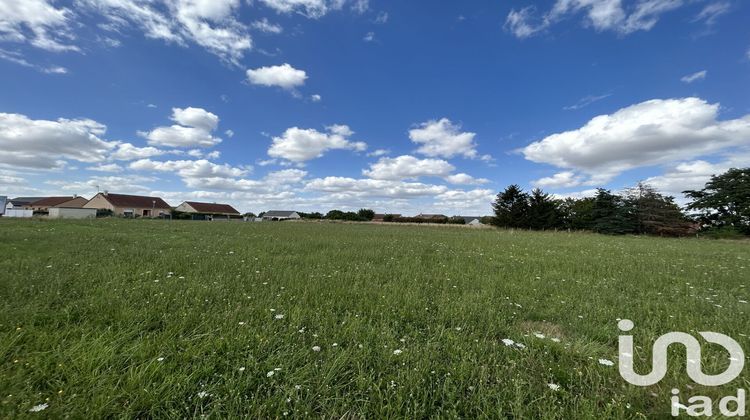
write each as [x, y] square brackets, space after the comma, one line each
[212, 208]
[135, 201]
[50, 201]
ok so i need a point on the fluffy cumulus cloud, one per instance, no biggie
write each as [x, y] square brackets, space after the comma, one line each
[127, 151]
[650, 133]
[442, 138]
[211, 24]
[693, 175]
[265, 26]
[621, 16]
[189, 168]
[37, 22]
[300, 145]
[284, 76]
[564, 179]
[47, 144]
[408, 167]
[194, 129]
[344, 186]
[411, 168]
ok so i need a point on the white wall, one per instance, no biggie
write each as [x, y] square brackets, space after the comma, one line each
[18, 213]
[71, 213]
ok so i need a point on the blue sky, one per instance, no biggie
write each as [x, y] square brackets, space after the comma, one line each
[408, 106]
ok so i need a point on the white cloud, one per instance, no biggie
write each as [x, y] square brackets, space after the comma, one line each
[194, 131]
[586, 101]
[473, 199]
[379, 152]
[265, 26]
[373, 187]
[381, 18]
[300, 145]
[284, 76]
[693, 175]
[369, 37]
[45, 144]
[130, 184]
[17, 58]
[189, 168]
[127, 151]
[195, 117]
[565, 179]
[229, 133]
[316, 98]
[690, 78]
[711, 12]
[442, 138]
[211, 24]
[465, 179]
[649, 133]
[602, 15]
[313, 9]
[111, 167]
[38, 23]
[408, 167]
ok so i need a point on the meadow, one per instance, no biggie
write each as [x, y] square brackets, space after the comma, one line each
[158, 319]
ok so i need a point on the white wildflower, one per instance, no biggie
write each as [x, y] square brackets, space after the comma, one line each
[606, 362]
[39, 407]
[397, 352]
[270, 373]
[279, 316]
[554, 387]
[316, 348]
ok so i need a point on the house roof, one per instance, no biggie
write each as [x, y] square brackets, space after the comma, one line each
[24, 200]
[135, 201]
[51, 201]
[212, 208]
[279, 213]
[468, 219]
[77, 202]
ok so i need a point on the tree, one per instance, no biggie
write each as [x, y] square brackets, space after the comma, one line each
[543, 211]
[511, 207]
[724, 201]
[366, 214]
[655, 213]
[611, 215]
[578, 214]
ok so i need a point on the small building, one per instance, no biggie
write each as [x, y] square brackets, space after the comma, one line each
[472, 220]
[71, 213]
[21, 203]
[275, 215]
[208, 211]
[3, 201]
[43, 205]
[129, 205]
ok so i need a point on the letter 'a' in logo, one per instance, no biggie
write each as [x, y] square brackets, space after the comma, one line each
[693, 349]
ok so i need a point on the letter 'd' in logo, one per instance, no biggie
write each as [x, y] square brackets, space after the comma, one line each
[693, 349]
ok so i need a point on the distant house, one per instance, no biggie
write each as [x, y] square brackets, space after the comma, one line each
[208, 211]
[129, 205]
[43, 205]
[472, 220]
[281, 215]
[21, 203]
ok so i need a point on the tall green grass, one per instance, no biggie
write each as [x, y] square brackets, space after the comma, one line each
[156, 319]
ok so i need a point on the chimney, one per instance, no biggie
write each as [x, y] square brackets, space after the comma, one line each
[106, 192]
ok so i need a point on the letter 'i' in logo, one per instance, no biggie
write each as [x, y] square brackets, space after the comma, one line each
[693, 349]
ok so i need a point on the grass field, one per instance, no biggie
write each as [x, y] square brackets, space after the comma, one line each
[116, 318]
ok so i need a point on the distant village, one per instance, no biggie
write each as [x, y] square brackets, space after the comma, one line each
[106, 204]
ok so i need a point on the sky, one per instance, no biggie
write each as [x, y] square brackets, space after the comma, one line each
[399, 106]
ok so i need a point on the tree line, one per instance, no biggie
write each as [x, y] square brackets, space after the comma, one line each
[722, 205]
